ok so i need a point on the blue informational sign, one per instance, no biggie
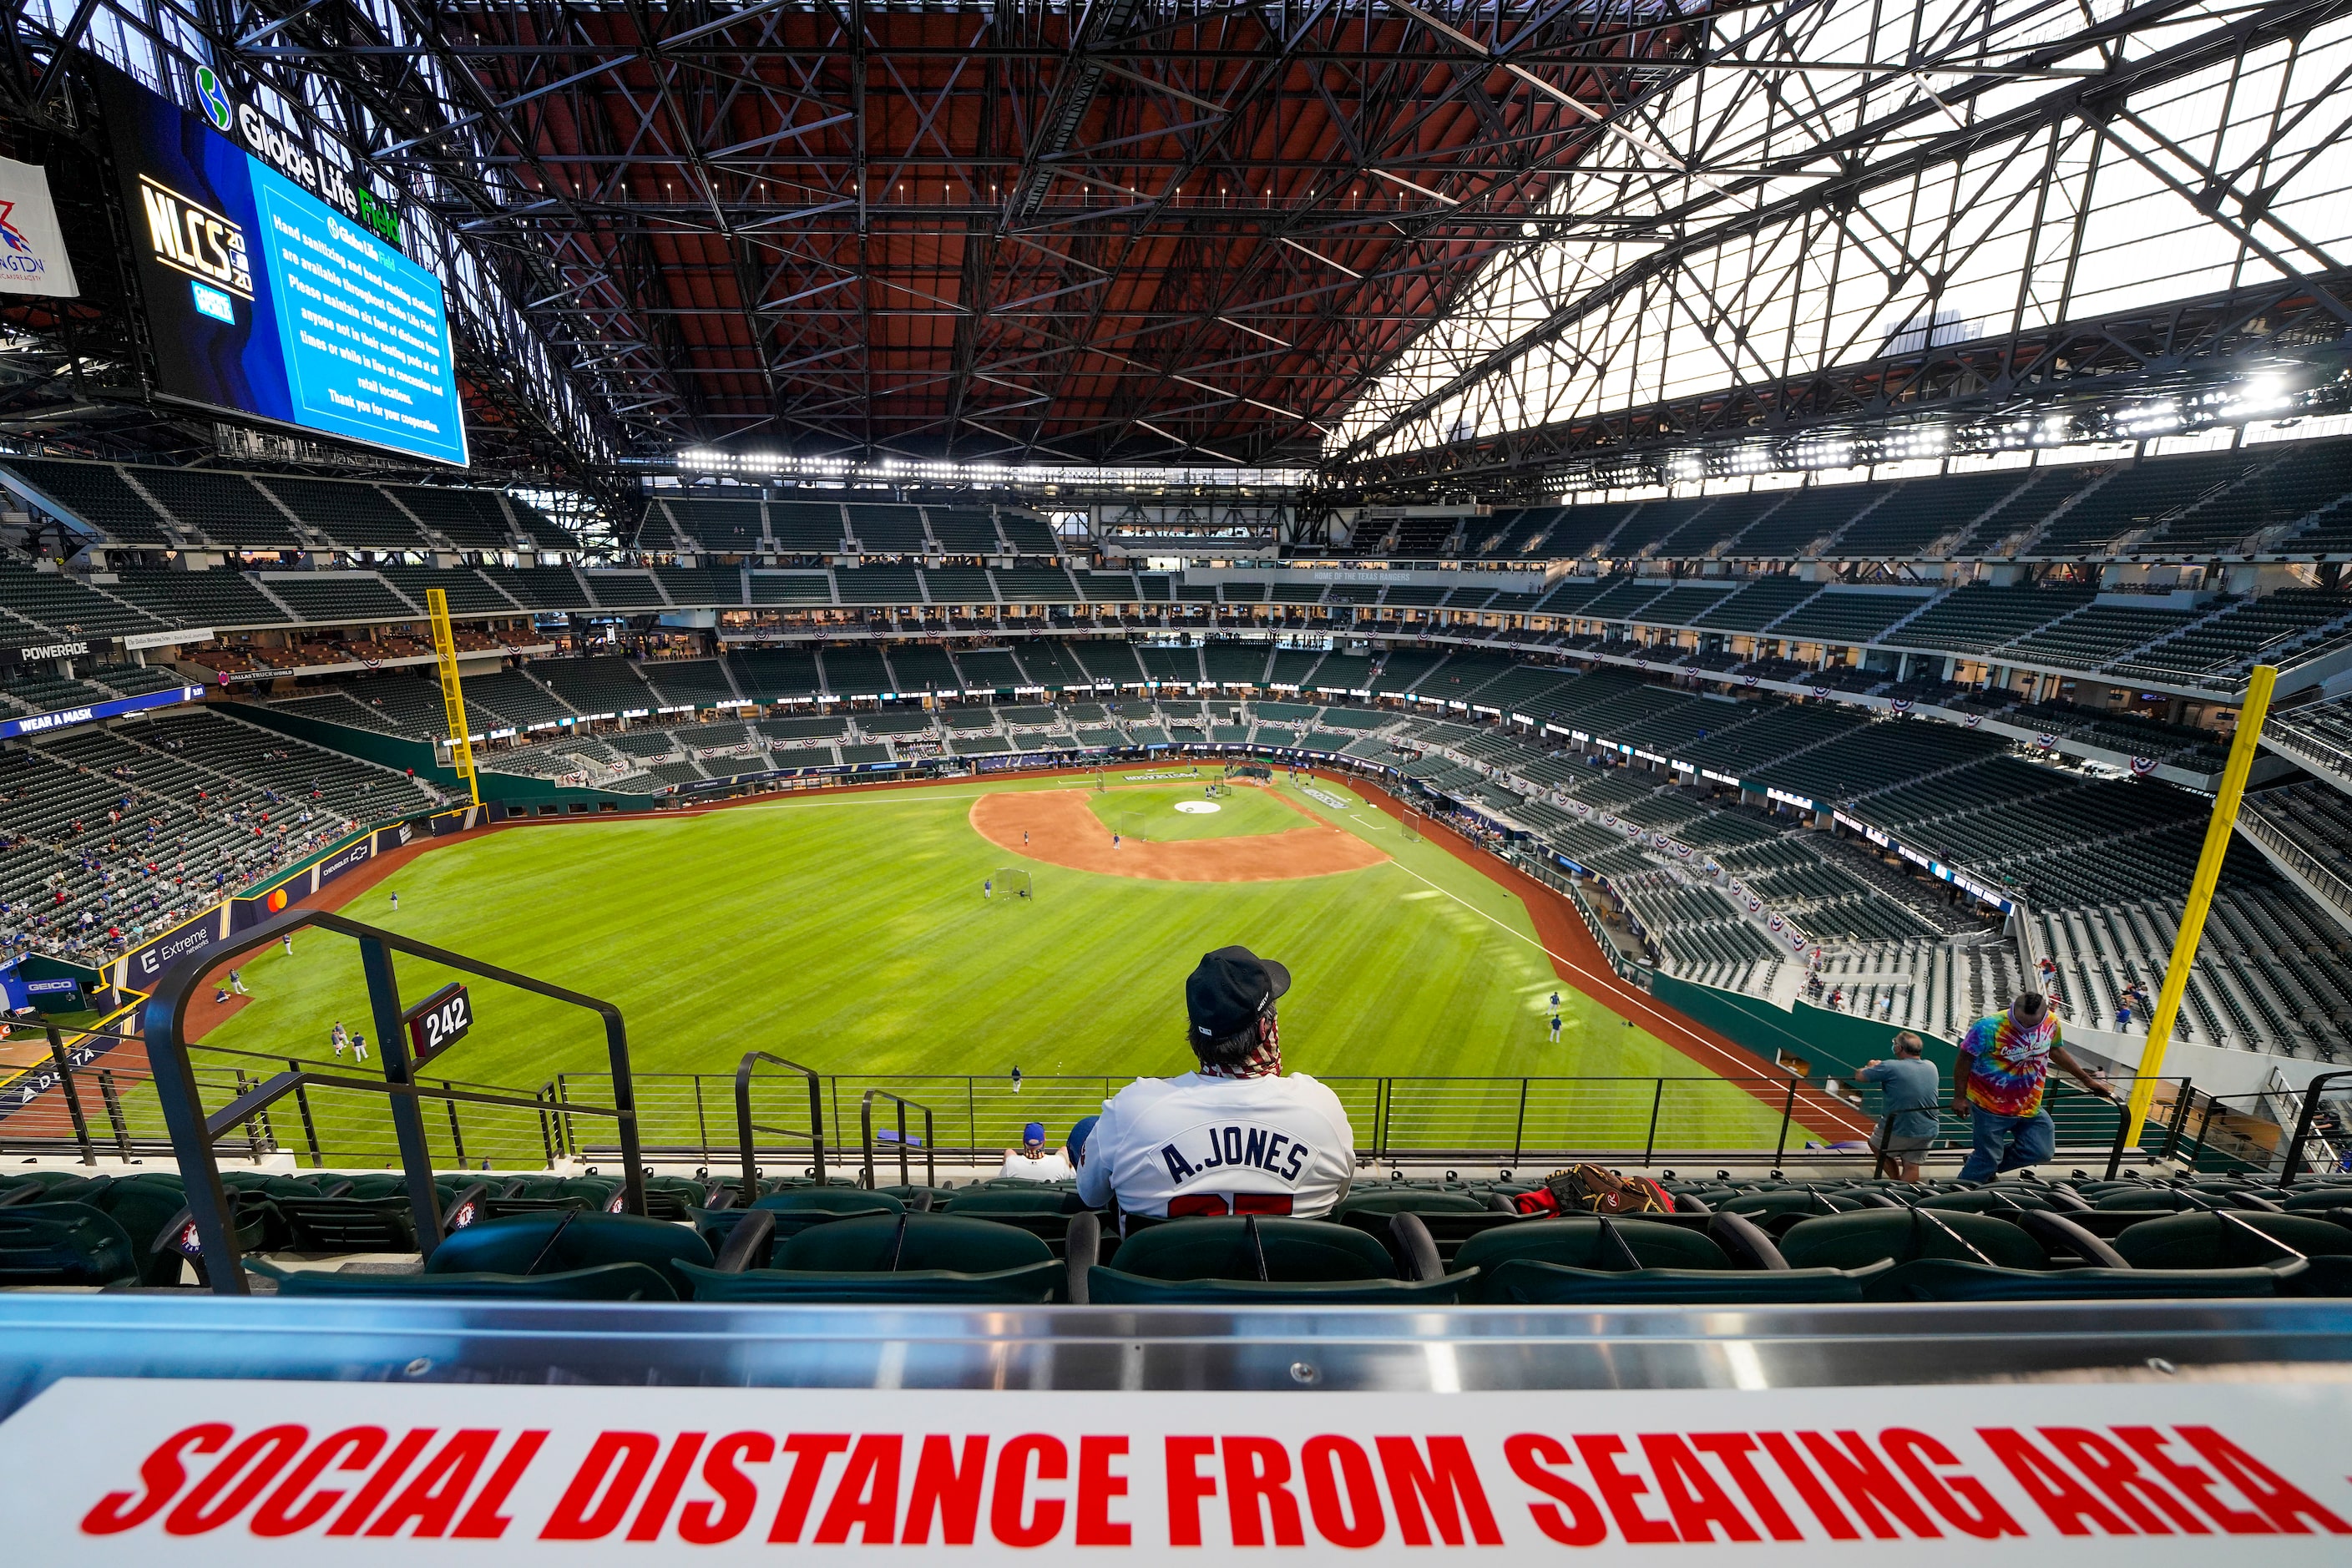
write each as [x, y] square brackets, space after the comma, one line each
[65, 717]
[273, 286]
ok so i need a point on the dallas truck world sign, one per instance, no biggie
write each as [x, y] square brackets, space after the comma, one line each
[263, 1472]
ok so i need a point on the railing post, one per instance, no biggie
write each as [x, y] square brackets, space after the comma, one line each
[252, 1129]
[1650, 1145]
[562, 1117]
[1787, 1110]
[115, 1118]
[701, 1123]
[309, 1126]
[2179, 1114]
[865, 1130]
[1520, 1129]
[902, 1142]
[2116, 1154]
[2303, 1125]
[407, 1121]
[930, 1150]
[182, 1104]
[816, 1124]
[971, 1116]
[2204, 1126]
[456, 1136]
[64, 1061]
[546, 1096]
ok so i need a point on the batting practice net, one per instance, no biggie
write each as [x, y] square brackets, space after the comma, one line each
[1011, 882]
[1409, 826]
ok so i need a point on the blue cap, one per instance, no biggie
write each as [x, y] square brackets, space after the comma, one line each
[1078, 1136]
[1033, 1133]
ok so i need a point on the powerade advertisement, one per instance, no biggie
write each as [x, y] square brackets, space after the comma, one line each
[272, 286]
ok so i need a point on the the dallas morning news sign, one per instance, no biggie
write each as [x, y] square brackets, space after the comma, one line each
[256, 1472]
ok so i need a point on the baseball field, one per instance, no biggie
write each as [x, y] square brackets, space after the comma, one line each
[886, 936]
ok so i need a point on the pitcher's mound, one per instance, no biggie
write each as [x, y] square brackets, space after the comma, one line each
[1063, 831]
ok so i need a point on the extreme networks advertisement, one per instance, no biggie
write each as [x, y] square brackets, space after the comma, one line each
[270, 288]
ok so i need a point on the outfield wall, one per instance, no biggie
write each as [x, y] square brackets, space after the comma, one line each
[398, 752]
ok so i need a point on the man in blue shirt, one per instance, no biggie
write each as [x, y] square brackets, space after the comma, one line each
[1906, 1126]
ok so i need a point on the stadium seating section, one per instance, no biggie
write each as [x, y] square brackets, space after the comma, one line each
[1398, 1241]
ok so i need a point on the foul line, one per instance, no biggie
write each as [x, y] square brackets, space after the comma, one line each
[1502, 925]
[1613, 986]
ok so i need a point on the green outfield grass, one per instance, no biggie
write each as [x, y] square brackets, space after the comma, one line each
[847, 931]
[1151, 813]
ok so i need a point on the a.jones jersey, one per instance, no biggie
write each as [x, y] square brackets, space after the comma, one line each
[1220, 1146]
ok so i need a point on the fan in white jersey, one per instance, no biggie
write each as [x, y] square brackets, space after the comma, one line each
[1032, 1161]
[1238, 1135]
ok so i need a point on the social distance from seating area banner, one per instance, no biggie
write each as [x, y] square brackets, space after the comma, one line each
[246, 1472]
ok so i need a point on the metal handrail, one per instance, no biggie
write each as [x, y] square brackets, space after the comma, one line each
[745, 1126]
[931, 1143]
[193, 1132]
[2294, 1166]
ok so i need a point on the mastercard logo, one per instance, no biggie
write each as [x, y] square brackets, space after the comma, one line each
[276, 901]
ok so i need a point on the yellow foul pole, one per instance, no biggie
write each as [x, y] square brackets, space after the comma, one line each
[2200, 894]
[453, 697]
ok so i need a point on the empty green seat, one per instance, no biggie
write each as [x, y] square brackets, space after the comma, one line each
[797, 1209]
[64, 1244]
[901, 1258]
[1588, 1241]
[143, 1205]
[602, 1282]
[554, 1242]
[60, 1186]
[2243, 1239]
[384, 1184]
[829, 1200]
[350, 1225]
[673, 1197]
[1252, 1258]
[1028, 1198]
[1590, 1259]
[2009, 1197]
[1765, 1205]
[1901, 1236]
[1956, 1279]
[1388, 1200]
[1449, 1229]
[2332, 1196]
[2168, 1200]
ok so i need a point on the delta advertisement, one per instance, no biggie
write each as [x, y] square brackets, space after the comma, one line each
[273, 286]
[2091, 1474]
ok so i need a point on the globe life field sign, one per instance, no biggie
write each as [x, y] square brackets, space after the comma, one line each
[275, 288]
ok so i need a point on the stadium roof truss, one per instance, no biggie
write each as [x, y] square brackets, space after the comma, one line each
[1843, 209]
[1138, 231]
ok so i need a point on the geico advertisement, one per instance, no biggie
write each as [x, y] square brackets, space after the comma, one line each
[303, 1472]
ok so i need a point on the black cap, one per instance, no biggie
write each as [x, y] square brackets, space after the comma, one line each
[1231, 989]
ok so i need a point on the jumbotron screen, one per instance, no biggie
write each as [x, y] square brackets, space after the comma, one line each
[274, 286]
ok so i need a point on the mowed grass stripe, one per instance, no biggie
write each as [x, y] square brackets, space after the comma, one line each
[849, 933]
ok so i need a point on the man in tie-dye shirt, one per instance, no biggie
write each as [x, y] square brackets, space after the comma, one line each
[2004, 1065]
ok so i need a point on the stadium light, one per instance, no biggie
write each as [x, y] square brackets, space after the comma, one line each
[894, 471]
